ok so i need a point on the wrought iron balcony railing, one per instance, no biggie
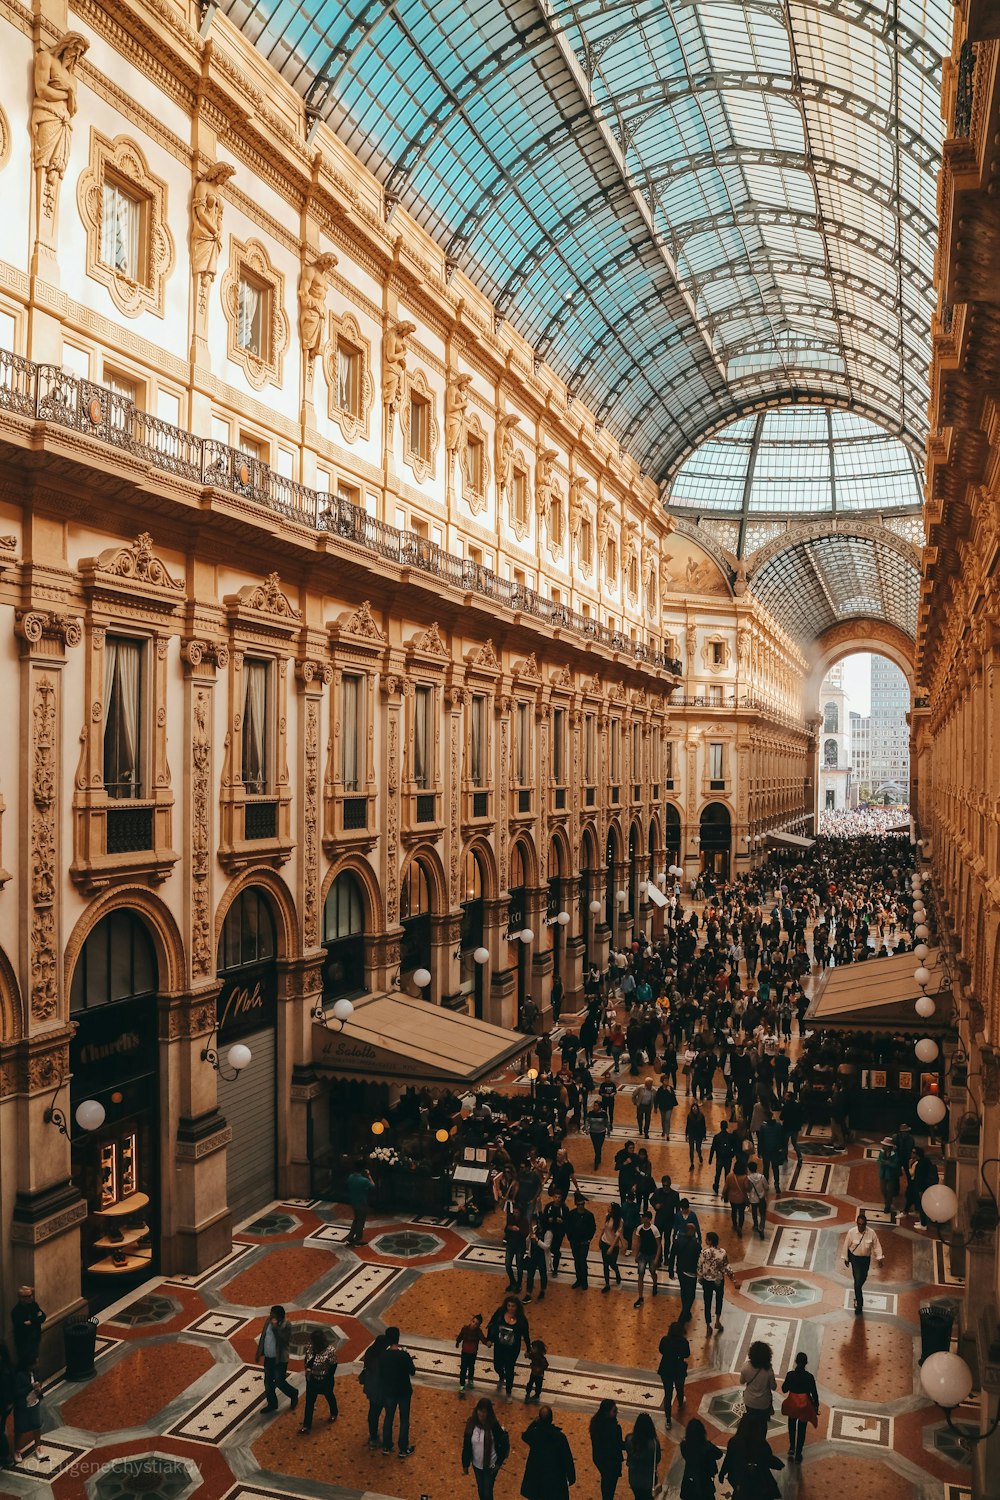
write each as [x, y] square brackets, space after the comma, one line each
[49, 394]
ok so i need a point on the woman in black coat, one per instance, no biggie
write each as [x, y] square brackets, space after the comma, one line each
[549, 1471]
[701, 1463]
[606, 1447]
[507, 1330]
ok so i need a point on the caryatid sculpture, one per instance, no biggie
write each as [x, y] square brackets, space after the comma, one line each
[577, 494]
[395, 348]
[456, 403]
[545, 484]
[314, 286]
[52, 109]
[505, 454]
[604, 513]
[206, 225]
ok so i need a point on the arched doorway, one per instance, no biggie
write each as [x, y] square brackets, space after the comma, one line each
[471, 938]
[344, 939]
[634, 871]
[589, 884]
[247, 1012]
[554, 907]
[113, 1060]
[415, 919]
[611, 861]
[716, 839]
[672, 833]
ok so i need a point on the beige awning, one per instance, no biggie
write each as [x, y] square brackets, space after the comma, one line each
[398, 1039]
[655, 894]
[879, 992]
[790, 841]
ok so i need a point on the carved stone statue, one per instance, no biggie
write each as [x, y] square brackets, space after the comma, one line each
[505, 454]
[545, 487]
[577, 495]
[456, 403]
[740, 579]
[394, 352]
[604, 514]
[630, 544]
[206, 223]
[314, 284]
[649, 573]
[52, 111]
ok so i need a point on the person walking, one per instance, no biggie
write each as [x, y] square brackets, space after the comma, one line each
[272, 1349]
[538, 1361]
[859, 1247]
[370, 1380]
[643, 1453]
[759, 1384]
[397, 1371]
[749, 1462]
[675, 1351]
[665, 1102]
[507, 1331]
[27, 1320]
[757, 1197]
[924, 1174]
[539, 1245]
[321, 1370]
[549, 1470]
[581, 1226]
[607, 1093]
[701, 1462]
[695, 1130]
[607, 1447]
[360, 1186]
[713, 1268]
[597, 1129]
[515, 1240]
[7, 1373]
[801, 1404]
[611, 1244]
[648, 1253]
[722, 1152]
[735, 1192]
[773, 1153]
[28, 1414]
[485, 1448]
[467, 1342]
[684, 1255]
[888, 1174]
[643, 1097]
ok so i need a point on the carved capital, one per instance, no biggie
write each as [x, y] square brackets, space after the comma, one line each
[45, 628]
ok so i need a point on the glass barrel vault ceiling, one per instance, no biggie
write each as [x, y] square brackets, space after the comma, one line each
[687, 208]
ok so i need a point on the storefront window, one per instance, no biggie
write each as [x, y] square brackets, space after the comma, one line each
[248, 931]
[344, 939]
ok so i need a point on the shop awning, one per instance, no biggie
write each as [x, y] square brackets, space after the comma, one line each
[655, 894]
[398, 1039]
[789, 841]
[879, 993]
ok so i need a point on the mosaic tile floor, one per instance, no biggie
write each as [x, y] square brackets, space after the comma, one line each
[176, 1406]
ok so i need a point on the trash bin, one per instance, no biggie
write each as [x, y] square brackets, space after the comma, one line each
[79, 1342]
[935, 1330]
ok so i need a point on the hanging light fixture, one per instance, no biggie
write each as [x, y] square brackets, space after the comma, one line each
[926, 1050]
[931, 1109]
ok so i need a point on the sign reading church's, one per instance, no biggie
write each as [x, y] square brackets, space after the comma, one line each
[248, 1001]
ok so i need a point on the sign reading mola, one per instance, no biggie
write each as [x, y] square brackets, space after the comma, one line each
[248, 1001]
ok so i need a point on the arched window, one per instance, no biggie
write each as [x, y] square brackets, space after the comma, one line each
[344, 938]
[415, 919]
[830, 754]
[117, 962]
[831, 719]
[248, 931]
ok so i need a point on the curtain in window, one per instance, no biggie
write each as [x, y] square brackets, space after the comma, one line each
[349, 733]
[421, 736]
[523, 744]
[477, 741]
[119, 230]
[255, 726]
[246, 321]
[122, 667]
[345, 378]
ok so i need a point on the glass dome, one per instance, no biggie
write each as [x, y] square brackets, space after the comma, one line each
[798, 460]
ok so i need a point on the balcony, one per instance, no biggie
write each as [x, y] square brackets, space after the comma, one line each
[129, 828]
[45, 393]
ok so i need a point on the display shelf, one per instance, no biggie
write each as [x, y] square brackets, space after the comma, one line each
[137, 1261]
[128, 1237]
[126, 1208]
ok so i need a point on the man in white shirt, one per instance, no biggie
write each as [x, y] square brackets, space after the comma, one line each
[861, 1244]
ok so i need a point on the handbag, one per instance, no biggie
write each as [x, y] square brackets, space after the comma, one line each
[798, 1407]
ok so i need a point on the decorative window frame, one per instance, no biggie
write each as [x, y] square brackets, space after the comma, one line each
[556, 533]
[126, 161]
[128, 591]
[706, 653]
[357, 646]
[585, 554]
[520, 525]
[473, 497]
[252, 259]
[356, 427]
[423, 468]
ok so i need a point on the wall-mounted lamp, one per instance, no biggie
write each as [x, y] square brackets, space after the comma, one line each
[526, 935]
[237, 1058]
[931, 1109]
[621, 897]
[89, 1115]
[481, 956]
[595, 906]
[421, 978]
[947, 1381]
[559, 920]
[336, 1018]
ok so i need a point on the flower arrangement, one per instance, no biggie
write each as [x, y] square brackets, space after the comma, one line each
[386, 1156]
